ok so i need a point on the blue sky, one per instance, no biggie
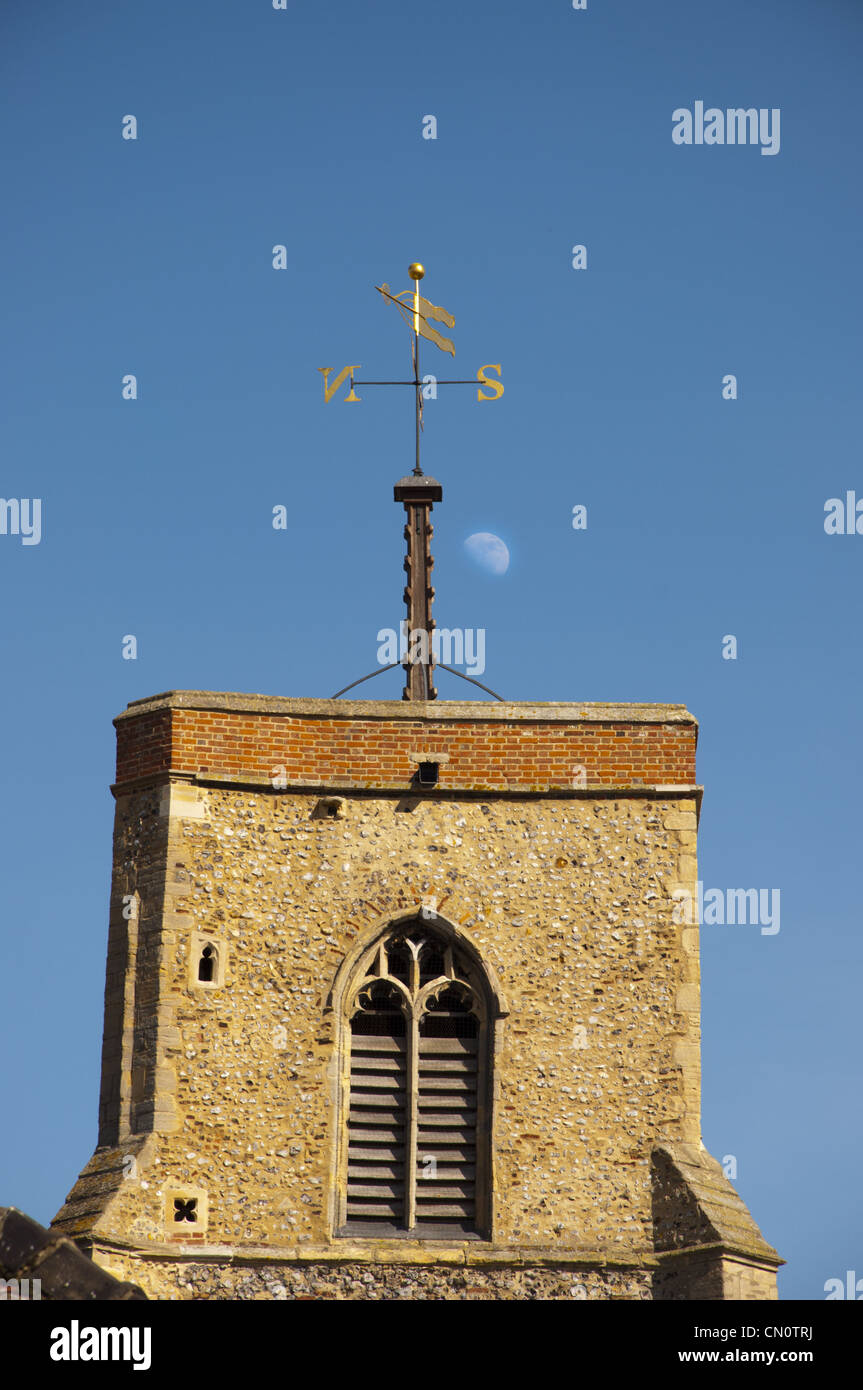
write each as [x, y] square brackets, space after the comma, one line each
[705, 516]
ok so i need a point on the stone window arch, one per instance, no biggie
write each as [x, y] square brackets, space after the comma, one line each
[208, 964]
[416, 1092]
[207, 960]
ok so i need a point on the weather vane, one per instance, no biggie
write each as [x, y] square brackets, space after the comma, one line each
[418, 492]
[418, 313]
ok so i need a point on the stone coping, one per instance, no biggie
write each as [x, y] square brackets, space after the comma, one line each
[344, 786]
[436, 711]
[380, 1252]
[469, 1254]
[758, 1255]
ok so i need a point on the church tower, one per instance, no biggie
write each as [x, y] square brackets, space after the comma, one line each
[402, 998]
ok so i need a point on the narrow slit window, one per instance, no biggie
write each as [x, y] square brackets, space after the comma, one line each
[207, 965]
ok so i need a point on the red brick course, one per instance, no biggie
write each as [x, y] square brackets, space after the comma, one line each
[375, 752]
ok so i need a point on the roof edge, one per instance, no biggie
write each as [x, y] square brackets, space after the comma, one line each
[436, 711]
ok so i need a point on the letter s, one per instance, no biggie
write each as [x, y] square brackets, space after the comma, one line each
[496, 386]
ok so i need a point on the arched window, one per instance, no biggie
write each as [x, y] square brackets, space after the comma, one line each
[417, 1093]
[207, 965]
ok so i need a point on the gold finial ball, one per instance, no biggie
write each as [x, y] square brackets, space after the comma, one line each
[416, 271]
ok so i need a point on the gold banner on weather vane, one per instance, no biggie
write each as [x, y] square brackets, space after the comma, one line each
[417, 312]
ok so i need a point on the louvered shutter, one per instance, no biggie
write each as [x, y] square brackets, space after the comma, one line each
[446, 1123]
[417, 1087]
[377, 1123]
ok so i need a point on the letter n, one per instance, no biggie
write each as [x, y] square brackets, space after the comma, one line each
[330, 391]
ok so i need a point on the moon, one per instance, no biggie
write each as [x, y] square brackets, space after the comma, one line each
[488, 551]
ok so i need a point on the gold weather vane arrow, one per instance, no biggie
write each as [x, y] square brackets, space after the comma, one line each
[418, 313]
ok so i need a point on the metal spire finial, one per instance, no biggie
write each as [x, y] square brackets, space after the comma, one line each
[417, 491]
